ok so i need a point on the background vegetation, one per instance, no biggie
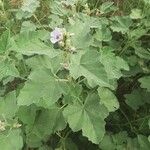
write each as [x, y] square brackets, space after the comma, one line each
[90, 91]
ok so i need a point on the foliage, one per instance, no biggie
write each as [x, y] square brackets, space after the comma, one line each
[88, 89]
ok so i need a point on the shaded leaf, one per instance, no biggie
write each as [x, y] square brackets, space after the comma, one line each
[144, 143]
[108, 99]
[145, 82]
[137, 98]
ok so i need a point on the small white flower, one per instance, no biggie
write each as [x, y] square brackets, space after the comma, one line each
[56, 35]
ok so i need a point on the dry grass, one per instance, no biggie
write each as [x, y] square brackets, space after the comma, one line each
[15, 3]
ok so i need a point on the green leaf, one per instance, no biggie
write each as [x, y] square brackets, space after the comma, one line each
[137, 98]
[136, 14]
[57, 8]
[50, 121]
[119, 141]
[7, 68]
[142, 52]
[147, 2]
[108, 99]
[112, 64]
[45, 147]
[88, 117]
[55, 21]
[11, 140]
[24, 115]
[81, 38]
[73, 93]
[69, 144]
[47, 122]
[144, 143]
[137, 33]
[121, 24]
[46, 62]
[31, 42]
[42, 86]
[88, 64]
[103, 34]
[5, 41]
[8, 106]
[145, 82]
[28, 26]
[107, 7]
[27, 9]
[91, 21]
[107, 143]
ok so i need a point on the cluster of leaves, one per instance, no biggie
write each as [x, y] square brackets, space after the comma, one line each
[100, 101]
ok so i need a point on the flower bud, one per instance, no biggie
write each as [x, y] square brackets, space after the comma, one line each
[68, 42]
[16, 125]
[71, 34]
[1, 3]
[2, 126]
[3, 16]
[61, 44]
[65, 65]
